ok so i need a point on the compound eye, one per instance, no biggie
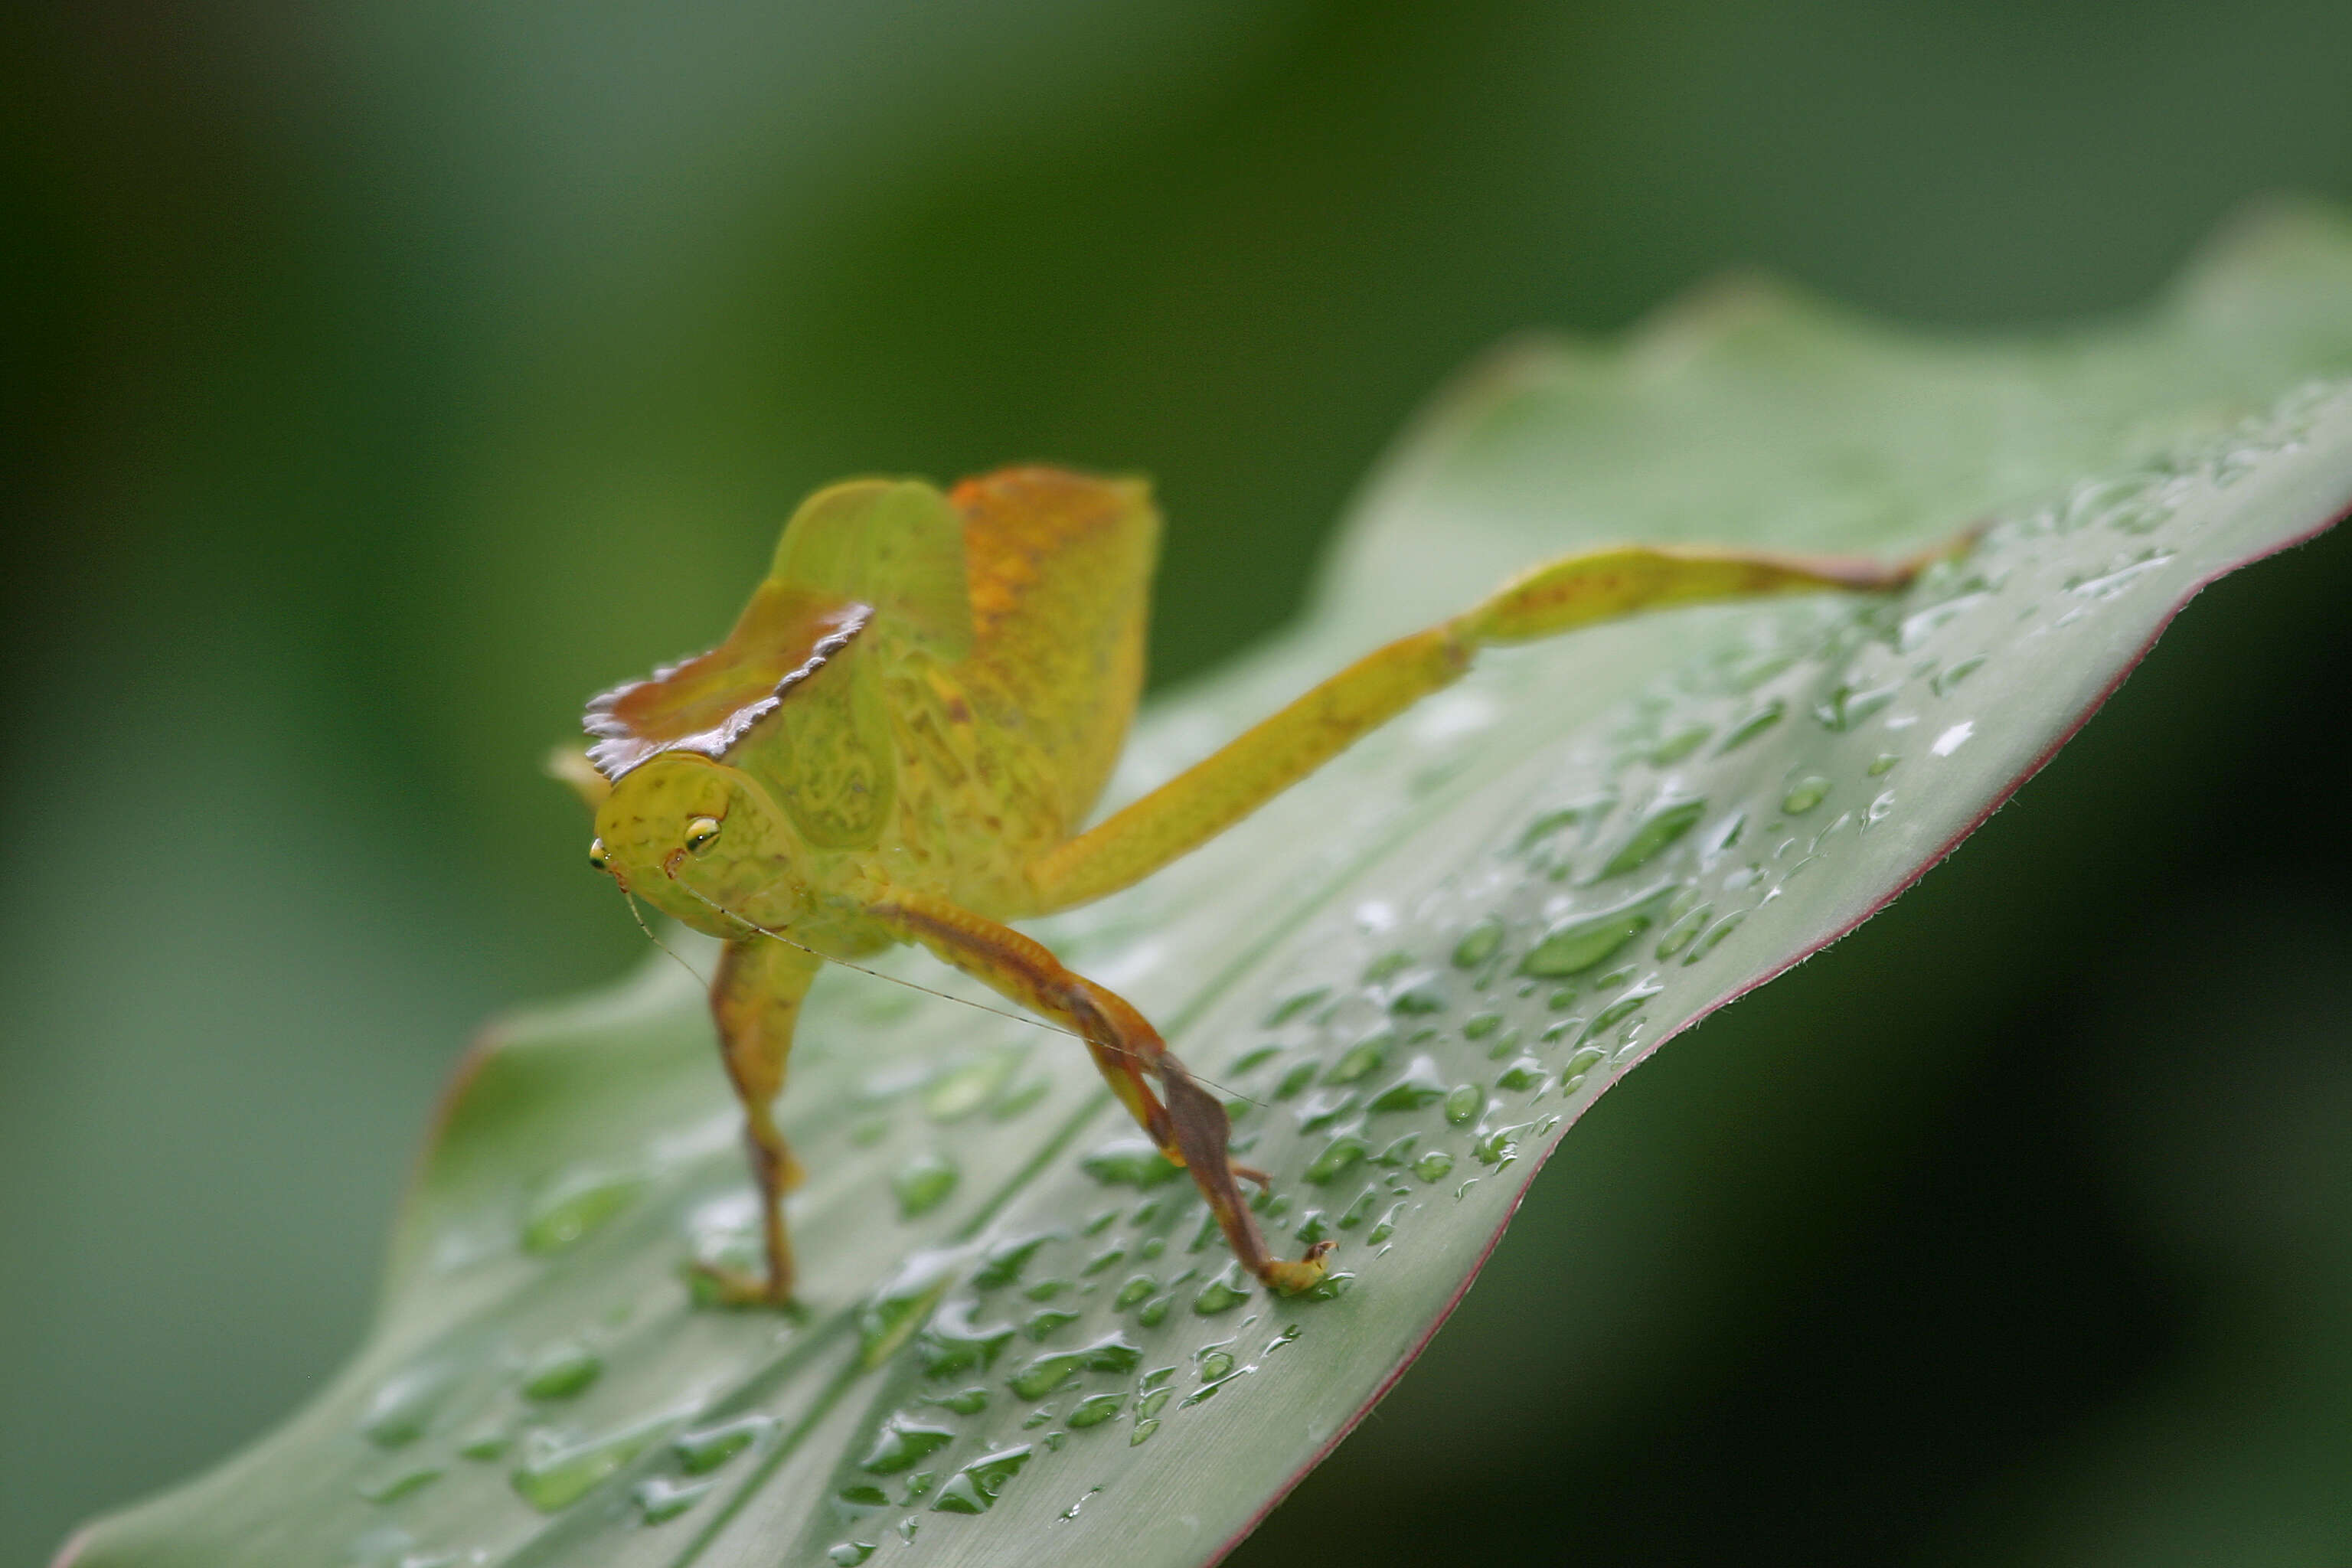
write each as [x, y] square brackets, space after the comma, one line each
[599, 858]
[700, 832]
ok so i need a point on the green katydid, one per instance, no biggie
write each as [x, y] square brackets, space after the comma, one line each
[904, 734]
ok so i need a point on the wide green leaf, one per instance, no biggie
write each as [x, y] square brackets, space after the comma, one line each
[1020, 1342]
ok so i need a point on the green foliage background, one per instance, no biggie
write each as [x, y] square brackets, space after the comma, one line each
[390, 377]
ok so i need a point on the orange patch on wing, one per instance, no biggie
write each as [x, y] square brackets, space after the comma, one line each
[705, 703]
[1018, 520]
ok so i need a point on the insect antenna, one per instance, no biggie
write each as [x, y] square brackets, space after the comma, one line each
[1034, 1023]
[636, 915]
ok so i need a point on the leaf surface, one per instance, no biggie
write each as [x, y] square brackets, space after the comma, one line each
[1020, 1340]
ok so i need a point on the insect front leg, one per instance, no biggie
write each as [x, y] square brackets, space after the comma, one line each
[1189, 1124]
[755, 1000]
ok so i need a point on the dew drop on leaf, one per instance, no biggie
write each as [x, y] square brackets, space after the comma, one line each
[555, 1478]
[660, 1500]
[1478, 944]
[561, 1370]
[1664, 825]
[924, 1184]
[700, 1452]
[1804, 795]
[573, 1208]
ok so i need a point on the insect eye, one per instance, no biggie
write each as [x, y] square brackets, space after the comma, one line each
[599, 858]
[700, 832]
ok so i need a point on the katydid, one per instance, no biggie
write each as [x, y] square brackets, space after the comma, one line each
[903, 736]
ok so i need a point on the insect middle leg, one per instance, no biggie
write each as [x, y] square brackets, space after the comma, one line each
[1189, 1124]
[1557, 596]
[755, 999]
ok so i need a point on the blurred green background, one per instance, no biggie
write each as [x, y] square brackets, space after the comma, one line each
[386, 376]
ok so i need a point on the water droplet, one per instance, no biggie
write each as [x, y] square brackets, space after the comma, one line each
[1625, 1007]
[1143, 1429]
[1048, 1373]
[661, 1499]
[1337, 1158]
[1292, 1006]
[703, 1451]
[1587, 811]
[976, 1487]
[2111, 584]
[1249, 1060]
[1714, 934]
[1386, 966]
[1155, 1311]
[403, 1406]
[1587, 942]
[561, 1370]
[1213, 1362]
[1001, 1264]
[951, 1342]
[1478, 944]
[1680, 934]
[1953, 675]
[1953, 738]
[557, 1476]
[1804, 795]
[1418, 996]
[1665, 823]
[1387, 1227]
[849, 1553]
[1679, 744]
[1359, 1211]
[1095, 1409]
[1848, 705]
[1464, 1103]
[1433, 1165]
[394, 1485]
[1042, 1324]
[484, 1444]
[1481, 1025]
[1294, 1080]
[1882, 763]
[1754, 725]
[902, 1303]
[902, 1444]
[584, 1202]
[1498, 1147]
[1522, 1075]
[1421, 1086]
[924, 1185]
[1222, 1294]
[1361, 1059]
[1130, 1162]
[1582, 1062]
[960, 1090]
[1139, 1288]
[963, 1401]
